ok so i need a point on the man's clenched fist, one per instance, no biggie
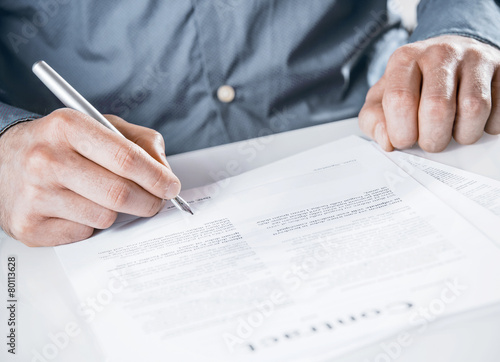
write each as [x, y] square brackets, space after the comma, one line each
[433, 90]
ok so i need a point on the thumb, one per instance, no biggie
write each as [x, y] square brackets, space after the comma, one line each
[148, 139]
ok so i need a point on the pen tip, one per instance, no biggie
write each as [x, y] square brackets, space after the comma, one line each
[182, 205]
[186, 207]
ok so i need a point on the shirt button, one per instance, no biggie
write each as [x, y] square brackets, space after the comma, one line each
[226, 94]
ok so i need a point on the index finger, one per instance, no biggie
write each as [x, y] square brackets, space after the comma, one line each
[401, 98]
[119, 155]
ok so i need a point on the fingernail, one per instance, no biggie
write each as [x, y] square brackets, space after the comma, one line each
[172, 190]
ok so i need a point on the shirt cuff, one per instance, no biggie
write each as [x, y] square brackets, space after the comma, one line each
[10, 116]
[476, 19]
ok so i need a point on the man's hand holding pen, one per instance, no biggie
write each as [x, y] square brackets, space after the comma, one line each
[48, 200]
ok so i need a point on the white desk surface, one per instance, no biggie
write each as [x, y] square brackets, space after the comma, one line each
[46, 303]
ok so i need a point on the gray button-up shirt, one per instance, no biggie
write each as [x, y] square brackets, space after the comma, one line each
[206, 72]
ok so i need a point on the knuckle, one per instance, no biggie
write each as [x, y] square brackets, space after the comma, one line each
[476, 54]
[405, 54]
[371, 94]
[58, 124]
[58, 118]
[493, 126]
[105, 219]
[71, 234]
[472, 106]
[112, 118]
[126, 157]
[442, 50]
[155, 207]
[38, 159]
[118, 194]
[466, 138]
[26, 217]
[33, 197]
[81, 232]
[365, 117]
[438, 107]
[87, 232]
[403, 140]
[21, 228]
[436, 137]
[439, 69]
[400, 97]
[159, 179]
[62, 113]
[369, 117]
[156, 136]
[431, 146]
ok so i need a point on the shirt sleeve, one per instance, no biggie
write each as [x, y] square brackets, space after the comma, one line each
[9, 116]
[478, 19]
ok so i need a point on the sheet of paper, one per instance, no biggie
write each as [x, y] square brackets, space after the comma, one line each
[302, 260]
[480, 157]
[482, 190]
[475, 197]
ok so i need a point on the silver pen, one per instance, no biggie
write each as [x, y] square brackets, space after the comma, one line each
[72, 99]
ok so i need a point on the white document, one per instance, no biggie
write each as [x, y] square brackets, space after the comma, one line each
[479, 158]
[475, 197]
[482, 190]
[301, 260]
